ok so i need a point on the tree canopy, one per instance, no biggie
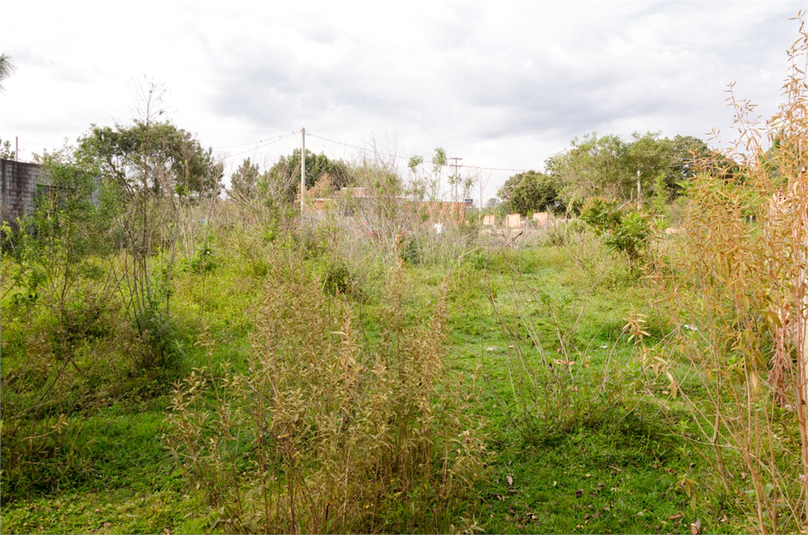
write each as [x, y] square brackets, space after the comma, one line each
[530, 192]
[244, 180]
[6, 68]
[608, 166]
[283, 179]
[156, 156]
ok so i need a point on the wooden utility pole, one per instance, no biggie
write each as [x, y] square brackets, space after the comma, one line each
[302, 170]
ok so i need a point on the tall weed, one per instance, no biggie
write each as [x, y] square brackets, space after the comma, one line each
[738, 303]
[552, 389]
[326, 431]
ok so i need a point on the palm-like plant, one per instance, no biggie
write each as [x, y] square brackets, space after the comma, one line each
[6, 68]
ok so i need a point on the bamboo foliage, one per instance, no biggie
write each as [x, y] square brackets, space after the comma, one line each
[738, 290]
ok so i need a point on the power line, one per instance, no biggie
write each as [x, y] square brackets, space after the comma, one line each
[282, 136]
[372, 151]
[405, 158]
[497, 169]
[41, 144]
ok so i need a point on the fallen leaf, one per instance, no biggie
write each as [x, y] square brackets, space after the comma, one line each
[510, 480]
[695, 527]
[579, 493]
[676, 517]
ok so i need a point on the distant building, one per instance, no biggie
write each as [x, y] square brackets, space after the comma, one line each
[489, 220]
[541, 219]
[513, 221]
[360, 200]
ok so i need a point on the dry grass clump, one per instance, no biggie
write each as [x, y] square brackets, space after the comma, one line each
[738, 296]
[330, 429]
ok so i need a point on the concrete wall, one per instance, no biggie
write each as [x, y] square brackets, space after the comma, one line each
[541, 219]
[513, 220]
[18, 188]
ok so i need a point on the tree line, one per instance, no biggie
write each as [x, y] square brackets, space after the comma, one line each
[645, 167]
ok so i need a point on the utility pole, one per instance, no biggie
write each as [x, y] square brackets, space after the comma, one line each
[302, 170]
[639, 191]
[456, 176]
[16, 148]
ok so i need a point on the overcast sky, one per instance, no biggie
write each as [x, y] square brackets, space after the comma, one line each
[500, 84]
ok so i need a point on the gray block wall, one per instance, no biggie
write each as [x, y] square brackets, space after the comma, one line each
[19, 182]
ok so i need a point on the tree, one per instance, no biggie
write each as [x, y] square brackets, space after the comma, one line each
[611, 168]
[622, 232]
[439, 161]
[530, 192]
[156, 156]
[5, 150]
[282, 181]
[418, 182]
[592, 166]
[664, 165]
[492, 204]
[244, 180]
[6, 68]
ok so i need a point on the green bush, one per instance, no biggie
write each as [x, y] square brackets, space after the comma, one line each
[624, 232]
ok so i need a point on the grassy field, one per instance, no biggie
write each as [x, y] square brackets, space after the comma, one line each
[577, 435]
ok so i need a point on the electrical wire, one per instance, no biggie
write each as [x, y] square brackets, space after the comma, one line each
[281, 138]
[482, 168]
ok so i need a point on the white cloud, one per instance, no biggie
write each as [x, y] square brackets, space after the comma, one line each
[502, 84]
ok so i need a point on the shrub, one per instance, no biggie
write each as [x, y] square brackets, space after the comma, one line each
[623, 232]
[737, 298]
[325, 432]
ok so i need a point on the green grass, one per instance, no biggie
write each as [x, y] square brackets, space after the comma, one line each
[613, 468]
[612, 464]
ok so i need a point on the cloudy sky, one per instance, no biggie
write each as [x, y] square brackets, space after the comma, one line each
[503, 85]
